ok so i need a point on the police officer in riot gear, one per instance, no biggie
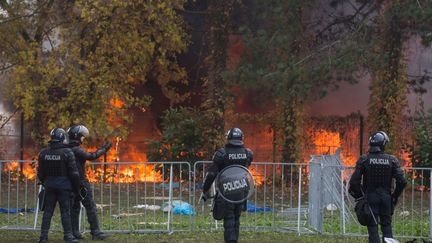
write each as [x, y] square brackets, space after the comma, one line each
[77, 134]
[373, 176]
[234, 152]
[57, 171]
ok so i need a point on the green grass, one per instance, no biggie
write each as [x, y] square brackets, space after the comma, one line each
[417, 223]
[414, 224]
[25, 236]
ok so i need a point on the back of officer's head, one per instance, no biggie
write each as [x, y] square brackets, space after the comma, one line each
[378, 141]
[235, 137]
[59, 135]
[78, 133]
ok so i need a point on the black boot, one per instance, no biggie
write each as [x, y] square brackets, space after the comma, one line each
[99, 235]
[69, 238]
[72, 240]
[43, 240]
[78, 235]
[43, 237]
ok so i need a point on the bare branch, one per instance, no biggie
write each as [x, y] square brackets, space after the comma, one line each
[6, 67]
[14, 17]
[419, 5]
[3, 124]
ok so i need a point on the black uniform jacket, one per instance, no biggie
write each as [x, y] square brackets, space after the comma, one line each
[229, 155]
[57, 167]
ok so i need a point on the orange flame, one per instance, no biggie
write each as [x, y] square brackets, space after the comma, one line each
[117, 103]
[257, 176]
[327, 142]
[140, 171]
[29, 172]
[14, 167]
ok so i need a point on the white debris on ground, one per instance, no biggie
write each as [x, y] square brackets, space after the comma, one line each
[119, 216]
[147, 207]
[331, 207]
[101, 206]
[153, 223]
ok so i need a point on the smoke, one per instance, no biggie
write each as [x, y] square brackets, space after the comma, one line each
[9, 132]
[352, 98]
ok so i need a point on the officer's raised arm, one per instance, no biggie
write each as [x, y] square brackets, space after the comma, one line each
[83, 154]
[77, 135]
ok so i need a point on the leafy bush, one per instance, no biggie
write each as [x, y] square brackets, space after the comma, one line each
[421, 150]
[182, 138]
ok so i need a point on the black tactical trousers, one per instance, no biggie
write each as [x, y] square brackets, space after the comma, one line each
[91, 210]
[232, 222]
[381, 204]
[52, 196]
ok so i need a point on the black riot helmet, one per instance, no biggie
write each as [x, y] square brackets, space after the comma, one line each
[59, 135]
[78, 132]
[235, 137]
[379, 139]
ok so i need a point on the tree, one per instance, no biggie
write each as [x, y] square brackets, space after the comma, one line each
[398, 21]
[80, 61]
[387, 104]
[287, 62]
[420, 152]
[219, 20]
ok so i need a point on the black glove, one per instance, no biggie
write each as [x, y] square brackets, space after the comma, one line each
[205, 195]
[106, 146]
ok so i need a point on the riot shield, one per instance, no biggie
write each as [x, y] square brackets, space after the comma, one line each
[41, 198]
[235, 184]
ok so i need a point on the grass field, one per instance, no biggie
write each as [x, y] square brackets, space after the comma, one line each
[30, 236]
[124, 197]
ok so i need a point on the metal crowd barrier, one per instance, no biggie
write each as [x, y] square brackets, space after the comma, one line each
[278, 203]
[19, 190]
[140, 197]
[412, 216]
[130, 197]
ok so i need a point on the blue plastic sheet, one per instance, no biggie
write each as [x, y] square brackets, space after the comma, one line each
[179, 208]
[16, 210]
[251, 208]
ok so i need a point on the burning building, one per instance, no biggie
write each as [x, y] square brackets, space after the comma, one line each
[327, 127]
